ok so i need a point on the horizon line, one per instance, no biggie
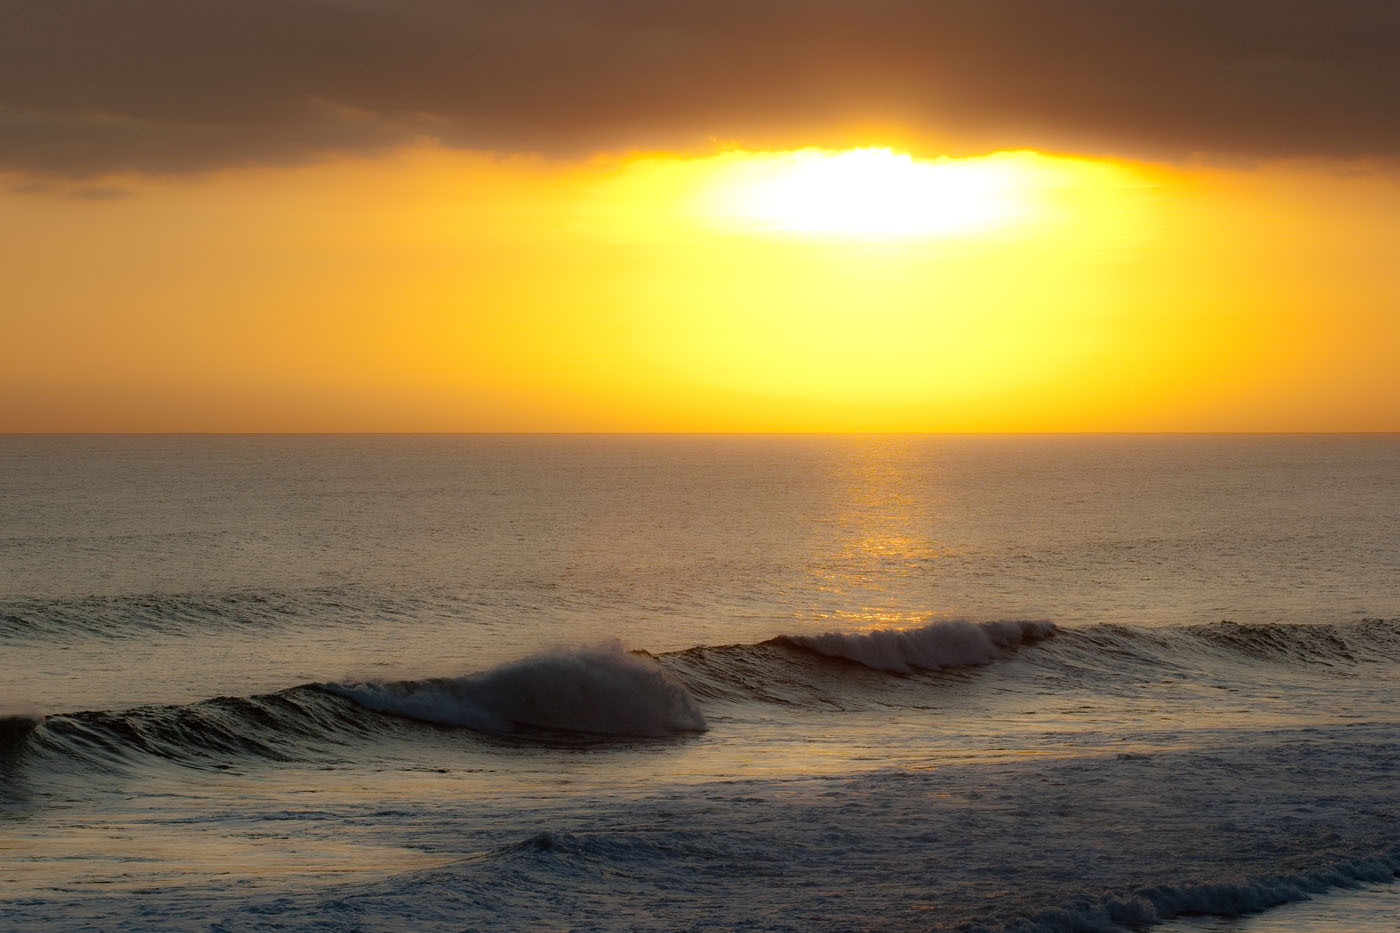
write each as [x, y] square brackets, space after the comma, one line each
[1070, 433]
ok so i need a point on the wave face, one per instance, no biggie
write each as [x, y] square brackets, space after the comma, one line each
[1362, 641]
[603, 691]
[930, 647]
[299, 724]
[1229, 647]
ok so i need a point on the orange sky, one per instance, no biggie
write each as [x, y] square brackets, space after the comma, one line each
[433, 290]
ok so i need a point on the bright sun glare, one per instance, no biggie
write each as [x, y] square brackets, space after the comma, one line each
[872, 193]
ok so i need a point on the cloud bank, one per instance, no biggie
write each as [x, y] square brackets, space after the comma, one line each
[96, 86]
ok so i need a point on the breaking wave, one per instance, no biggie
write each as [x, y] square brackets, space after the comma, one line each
[605, 692]
[598, 693]
[931, 647]
[16, 722]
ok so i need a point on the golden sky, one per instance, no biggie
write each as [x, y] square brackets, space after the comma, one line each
[876, 272]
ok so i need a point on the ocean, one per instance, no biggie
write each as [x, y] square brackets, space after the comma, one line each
[1026, 683]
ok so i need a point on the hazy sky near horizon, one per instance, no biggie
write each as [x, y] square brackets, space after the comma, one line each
[431, 215]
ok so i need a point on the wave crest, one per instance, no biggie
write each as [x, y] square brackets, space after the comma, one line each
[930, 647]
[601, 690]
[17, 720]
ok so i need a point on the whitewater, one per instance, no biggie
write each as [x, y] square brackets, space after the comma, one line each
[777, 683]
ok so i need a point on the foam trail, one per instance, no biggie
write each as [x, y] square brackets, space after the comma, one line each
[1222, 899]
[930, 647]
[599, 690]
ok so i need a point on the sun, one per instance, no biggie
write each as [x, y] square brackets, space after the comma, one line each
[873, 192]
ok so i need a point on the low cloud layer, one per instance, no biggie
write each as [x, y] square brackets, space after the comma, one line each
[94, 86]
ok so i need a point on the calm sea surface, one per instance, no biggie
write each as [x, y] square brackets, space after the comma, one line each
[512, 682]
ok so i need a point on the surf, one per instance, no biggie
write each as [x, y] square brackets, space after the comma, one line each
[605, 693]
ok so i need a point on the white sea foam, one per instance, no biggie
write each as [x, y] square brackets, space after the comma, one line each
[599, 690]
[930, 647]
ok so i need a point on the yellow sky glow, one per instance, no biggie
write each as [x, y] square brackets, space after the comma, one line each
[808, 290]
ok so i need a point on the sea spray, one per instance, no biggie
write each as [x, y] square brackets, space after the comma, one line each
[599, 690]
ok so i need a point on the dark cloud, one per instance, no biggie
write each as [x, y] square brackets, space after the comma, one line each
[72, 192]
[99, 193]
[90, 86]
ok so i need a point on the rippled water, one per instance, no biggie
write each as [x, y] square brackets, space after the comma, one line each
[394, 682]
